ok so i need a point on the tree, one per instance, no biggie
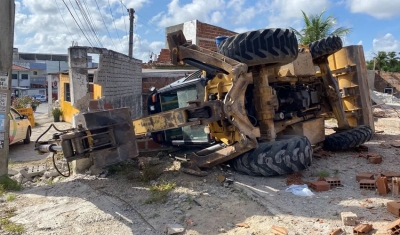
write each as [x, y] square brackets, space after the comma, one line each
[317, 27]
[380, 60]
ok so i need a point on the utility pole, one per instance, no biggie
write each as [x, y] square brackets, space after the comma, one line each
[7, 14]
[131, 18]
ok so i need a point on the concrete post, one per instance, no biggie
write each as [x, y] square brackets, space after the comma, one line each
[6, 54]
[131, 18]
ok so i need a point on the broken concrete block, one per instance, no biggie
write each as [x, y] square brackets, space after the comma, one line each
[320, 186]
[348, 218]
[279, 230]
[33, 171]
[394, 207]
[362, 229]
[174, 229]
[49, 174]
[364, 176]
[25, 174]
[382, 185]
[12, 172]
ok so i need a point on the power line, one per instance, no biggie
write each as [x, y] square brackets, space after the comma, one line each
[93, 22]
[70, 34]
[87, 21]
[83, 26]
[155, 28]
[115, 25]
[77, 22]
[123, 16]
[105, 24]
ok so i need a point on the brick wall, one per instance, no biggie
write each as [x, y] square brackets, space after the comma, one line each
[118, 75]
[164, 56]
[386, 79]
[207, 33]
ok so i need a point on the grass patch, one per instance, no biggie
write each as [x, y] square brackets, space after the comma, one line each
[323, 174]
[10, 197]
[7, 184]
[149, 173]
[159, 192]
[7, 225]
[11, 227]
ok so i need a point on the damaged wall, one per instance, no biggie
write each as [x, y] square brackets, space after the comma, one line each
[118, 75]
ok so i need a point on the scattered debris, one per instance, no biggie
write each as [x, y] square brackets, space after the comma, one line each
[174, 229]
[279, 230]
[396, 186]
[221, 178]
[390, 174]
[394, 207]
[395, 144]
[362, 229]
[348, 218]
[321, 154]
[382, 185]
[295, 178]
[320, 186]
[374, 158]
[364, 176]
[379, 132]
[243, 225]
[361, 148]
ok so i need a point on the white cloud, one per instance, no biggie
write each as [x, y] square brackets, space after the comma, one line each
[287, 13]
[382, 9]
[386, 43]
[201, 10]
[216, 17]
[242, 30]
[360, 42]
[39, 27]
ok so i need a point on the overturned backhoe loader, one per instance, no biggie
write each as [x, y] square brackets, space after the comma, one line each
[259, 104]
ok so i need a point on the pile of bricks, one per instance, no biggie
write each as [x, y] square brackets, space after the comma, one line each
[394, 227]
[385, 182]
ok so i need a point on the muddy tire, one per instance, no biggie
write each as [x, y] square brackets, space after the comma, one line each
[264, 46]
[27, 139]
[281, 157]
[348, 139]
[325, 47]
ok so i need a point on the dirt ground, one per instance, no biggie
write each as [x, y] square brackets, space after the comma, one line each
[116, 202]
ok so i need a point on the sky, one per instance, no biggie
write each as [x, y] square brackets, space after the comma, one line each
[47, 26]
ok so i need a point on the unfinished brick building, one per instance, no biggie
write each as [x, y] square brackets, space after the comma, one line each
[198, 33]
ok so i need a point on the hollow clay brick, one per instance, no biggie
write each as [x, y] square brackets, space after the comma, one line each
[320, 186]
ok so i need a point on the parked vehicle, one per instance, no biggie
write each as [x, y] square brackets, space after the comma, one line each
[20, 128]
[41, 98]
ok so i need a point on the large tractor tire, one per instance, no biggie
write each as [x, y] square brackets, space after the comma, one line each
[264, 46]
[325, 47]
[348, 139]
[281, 157]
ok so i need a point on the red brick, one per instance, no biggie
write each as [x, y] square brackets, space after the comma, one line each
[394, 207]
[334, 182]
[279, 230]
[375, 159]
[390, 174]
[382, 185]
[364, 175]
[320, 186]
[362, 229]
[367, 184]
[394, 227]
[336, 232]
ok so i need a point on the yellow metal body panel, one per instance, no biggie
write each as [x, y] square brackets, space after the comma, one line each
[221, 131]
